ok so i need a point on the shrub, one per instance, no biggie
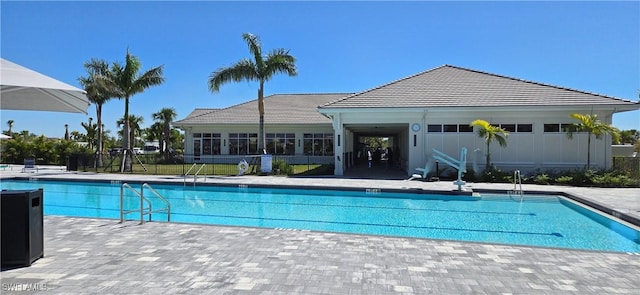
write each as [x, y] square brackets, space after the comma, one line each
[580, 177]
[612, 179]
[564, 179]
[542, 179]
[280, 167]
[469, 176]
[44, 150]
[493, 175]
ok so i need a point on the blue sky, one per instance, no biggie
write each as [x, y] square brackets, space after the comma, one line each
[340, 47]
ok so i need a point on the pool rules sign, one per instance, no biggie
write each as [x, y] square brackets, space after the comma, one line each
[265, 163]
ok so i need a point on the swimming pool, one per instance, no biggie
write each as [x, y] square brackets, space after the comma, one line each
[549, 221]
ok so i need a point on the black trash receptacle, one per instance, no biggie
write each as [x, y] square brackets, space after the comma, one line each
[72, 163]
[22, 226]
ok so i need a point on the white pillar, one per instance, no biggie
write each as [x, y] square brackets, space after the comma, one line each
[338, 145]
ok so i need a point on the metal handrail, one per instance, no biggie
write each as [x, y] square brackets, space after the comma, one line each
[194, 164]
[168, 209]
[195, 175]
[149, 210]
[517, 179]
[142, 199]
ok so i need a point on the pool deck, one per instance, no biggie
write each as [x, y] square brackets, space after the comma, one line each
[89, 256]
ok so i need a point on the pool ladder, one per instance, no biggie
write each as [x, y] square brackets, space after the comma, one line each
[195, 175]
[517, 184]
[143, 210]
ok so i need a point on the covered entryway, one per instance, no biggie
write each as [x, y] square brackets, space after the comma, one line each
[377, 151]
[402, 127]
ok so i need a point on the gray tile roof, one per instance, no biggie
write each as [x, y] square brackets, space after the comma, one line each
[279, 109]
[451, 86]
[199, 112]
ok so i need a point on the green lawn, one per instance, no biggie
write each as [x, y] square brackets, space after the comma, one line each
[210, 169]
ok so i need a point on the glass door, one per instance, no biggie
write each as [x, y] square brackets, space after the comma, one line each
[197, 149]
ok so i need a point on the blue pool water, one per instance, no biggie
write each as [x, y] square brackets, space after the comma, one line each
[549, 221]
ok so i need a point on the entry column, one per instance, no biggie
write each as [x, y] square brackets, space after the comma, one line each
[338, 146]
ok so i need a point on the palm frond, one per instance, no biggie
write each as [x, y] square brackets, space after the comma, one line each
[129, 73]
[255, 48]
[490, 132]
[243, 70]
[150, 78]
[589, 124]
[112, 80]
[96, 67]
[279, 61]
[97, 90]
[501, 138]
[480, 123]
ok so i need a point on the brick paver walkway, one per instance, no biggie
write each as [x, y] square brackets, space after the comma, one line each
[99, 256]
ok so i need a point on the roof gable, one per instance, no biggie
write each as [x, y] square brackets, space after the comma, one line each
[451, 86]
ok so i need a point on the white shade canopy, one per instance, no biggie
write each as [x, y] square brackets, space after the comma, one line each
[4, 136]
[25, 89]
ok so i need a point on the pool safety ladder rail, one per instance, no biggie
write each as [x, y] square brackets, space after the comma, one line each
[517, 184]
[195, 175]
[143, 210]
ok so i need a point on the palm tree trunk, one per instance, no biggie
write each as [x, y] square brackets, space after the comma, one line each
[99, 148]
[261, 138]
[126, 146]
[165, 143]
[488, 159]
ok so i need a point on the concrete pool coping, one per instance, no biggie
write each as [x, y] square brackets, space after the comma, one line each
[87, 256]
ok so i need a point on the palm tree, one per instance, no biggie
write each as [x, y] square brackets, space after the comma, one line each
[165, 116]
[98, 94]
[10, 124]
[490, 133]
[77, 136]
[260, 69]
[135, 123]
[591, 125]
[153, 133]
[92, 131]
[125, 81]
[628, 136]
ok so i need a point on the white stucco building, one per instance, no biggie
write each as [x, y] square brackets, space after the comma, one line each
[428, 110]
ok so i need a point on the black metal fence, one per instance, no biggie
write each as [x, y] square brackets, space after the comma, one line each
[181, 164]
[628, 165]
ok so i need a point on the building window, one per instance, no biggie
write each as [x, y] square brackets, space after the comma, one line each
[281, 143]
[434, 128]
[465, 128]
[450, 128]
[508, 127]
[519, 128]
[243, 143]
[565, 127]
[524, 128]
[318, 144]
[210, 143]
[551, 128]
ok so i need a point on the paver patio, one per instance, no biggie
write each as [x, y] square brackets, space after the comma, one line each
[89, 256]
